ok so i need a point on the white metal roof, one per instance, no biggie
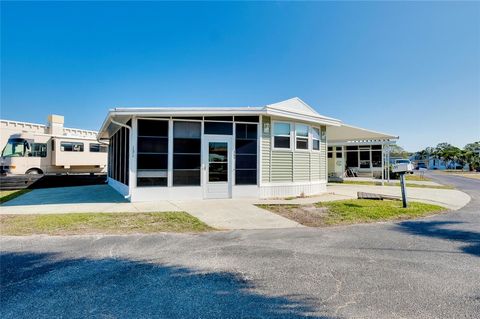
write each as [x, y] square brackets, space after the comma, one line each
[348, 133]
[293, 108]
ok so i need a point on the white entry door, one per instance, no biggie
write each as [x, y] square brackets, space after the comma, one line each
[217, 166]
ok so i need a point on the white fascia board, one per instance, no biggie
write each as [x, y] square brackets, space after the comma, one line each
[315, 119]
[371, 131]
[178, 111]
[365, 142]
[186, 111]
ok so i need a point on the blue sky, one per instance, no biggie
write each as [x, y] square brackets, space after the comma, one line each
[412, 69]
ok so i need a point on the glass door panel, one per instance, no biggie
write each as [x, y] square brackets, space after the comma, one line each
[218, 162]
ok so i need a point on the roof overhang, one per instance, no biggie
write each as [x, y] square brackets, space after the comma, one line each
[348, 134]
[295, 109]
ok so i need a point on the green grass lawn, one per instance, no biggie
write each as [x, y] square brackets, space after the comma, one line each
[100, 223]
[352, 211]
[413, 177]
[5, 196]
[394, 184]
[365, 210]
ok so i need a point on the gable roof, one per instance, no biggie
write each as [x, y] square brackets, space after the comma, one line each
[297, 109]
[294, 105]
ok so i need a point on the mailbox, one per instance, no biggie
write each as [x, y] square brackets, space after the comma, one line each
[402, 167]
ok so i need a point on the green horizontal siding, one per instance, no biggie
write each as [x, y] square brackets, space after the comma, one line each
[315, 166]
[266, 159]
[301, 166]
[291, 166]
[282, 166]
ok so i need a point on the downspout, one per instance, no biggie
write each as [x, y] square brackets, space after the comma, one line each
[129, 128]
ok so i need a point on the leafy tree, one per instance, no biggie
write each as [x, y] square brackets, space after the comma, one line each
[398, 151]
[471, 155]
[448, 152]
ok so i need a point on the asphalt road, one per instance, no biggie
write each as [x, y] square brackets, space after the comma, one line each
[428, 268]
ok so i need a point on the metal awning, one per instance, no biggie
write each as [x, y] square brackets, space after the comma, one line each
[348, 134]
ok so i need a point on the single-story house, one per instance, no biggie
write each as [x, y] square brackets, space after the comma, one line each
[269, 151]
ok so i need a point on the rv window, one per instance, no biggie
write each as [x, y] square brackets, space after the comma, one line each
[98, 148]
[71, 147]
[16, 147]
[281, 135]
[38, 150]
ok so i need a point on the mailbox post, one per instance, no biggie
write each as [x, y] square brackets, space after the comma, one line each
[402, 169]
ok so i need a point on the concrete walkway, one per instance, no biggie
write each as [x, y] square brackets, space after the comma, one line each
[376, 180]
[222, 214]
[234, 214]
[449, 198]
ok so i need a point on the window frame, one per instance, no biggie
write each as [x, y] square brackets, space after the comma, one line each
[236, 138]
[72, 151]
[290, 136]
[302, 137]
[152, 173]
[100, 146]
[319, 139]
[200, 154]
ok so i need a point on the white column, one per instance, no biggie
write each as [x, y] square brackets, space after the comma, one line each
[133, 155]
[170, 154]
[383, 167]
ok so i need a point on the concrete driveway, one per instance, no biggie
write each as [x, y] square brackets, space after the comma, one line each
[221, 214]
[427, 268]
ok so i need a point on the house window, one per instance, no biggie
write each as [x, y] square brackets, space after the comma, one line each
[71, 147]
[301, 136]
[152, 153]
[246, 154]
[339, 153]
[329, 152]
[281, 135]
[376, 159]
[352, 159]
[220, 128]
[364, 159]
[186, 153]
[98, 148]
[315, 139]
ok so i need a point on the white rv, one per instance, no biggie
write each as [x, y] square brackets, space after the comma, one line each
[30, 148]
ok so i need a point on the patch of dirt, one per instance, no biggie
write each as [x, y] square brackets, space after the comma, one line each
[307, 215]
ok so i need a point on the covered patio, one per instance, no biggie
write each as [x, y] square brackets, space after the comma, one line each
[357, 152]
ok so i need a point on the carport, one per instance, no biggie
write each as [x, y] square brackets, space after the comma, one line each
[364, 152]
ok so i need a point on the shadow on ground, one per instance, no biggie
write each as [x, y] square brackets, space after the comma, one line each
[439, 229]
[69, 195]
[45, 285]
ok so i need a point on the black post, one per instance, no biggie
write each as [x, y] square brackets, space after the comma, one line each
[404, 190]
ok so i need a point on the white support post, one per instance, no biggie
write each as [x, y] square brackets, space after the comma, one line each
[388, 164]
[133, 154]
[383, 167]
[170, 154]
